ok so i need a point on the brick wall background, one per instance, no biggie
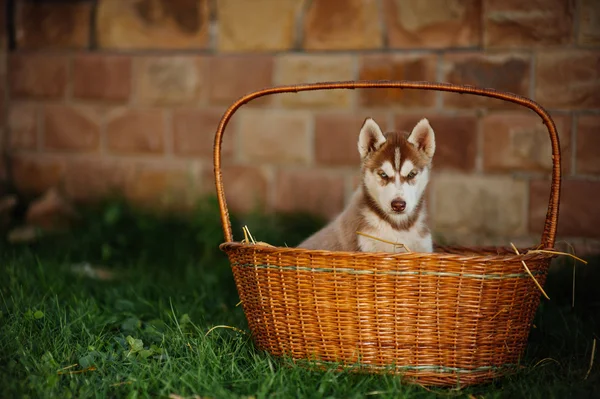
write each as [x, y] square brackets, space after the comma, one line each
[125, 95]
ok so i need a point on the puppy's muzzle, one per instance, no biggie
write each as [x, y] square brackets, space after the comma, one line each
[398, 205]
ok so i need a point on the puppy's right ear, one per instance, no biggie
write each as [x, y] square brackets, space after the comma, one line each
[370, 139]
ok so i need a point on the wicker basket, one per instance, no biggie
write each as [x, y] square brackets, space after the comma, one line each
[459, 316]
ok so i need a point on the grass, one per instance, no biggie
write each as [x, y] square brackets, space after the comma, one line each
[143, 332]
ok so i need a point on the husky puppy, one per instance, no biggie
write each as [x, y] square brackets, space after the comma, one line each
[390, 202]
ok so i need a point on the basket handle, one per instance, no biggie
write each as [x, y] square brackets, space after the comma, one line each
[550, 225]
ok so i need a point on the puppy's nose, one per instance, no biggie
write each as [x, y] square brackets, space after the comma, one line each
[398, 205]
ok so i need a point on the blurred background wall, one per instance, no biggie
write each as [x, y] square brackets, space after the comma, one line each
[125, 95]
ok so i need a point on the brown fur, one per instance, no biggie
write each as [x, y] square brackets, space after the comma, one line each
[340, 235]
[386, 152]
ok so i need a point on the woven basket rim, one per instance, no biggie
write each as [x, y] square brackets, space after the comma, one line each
[468, 254]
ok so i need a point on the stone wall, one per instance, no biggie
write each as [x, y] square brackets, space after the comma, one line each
[125, 95]
[3, 98]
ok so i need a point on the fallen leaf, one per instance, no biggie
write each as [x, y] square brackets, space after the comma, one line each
[23, 234]
[51, 212]
[96, 272]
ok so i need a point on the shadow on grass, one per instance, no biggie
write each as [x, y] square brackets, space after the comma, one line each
[140, 329]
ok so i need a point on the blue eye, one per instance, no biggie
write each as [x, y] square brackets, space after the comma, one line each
[411, 175]
[382, 174]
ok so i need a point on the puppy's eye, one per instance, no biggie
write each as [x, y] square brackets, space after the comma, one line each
[411, 175]
[382, 174]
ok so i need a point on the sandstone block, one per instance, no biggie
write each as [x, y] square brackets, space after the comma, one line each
[433, 23]
[259, 25]
[589, 27]
[482, 205]
[23, 126]
[342, 25]
[71, 128]
[274, 137]
[336, 137]
[163, 186]
[153, 24]
[56, 25]
[397, 67]
[309, 191]
[516, 23]
[170, 80]
[519, 142]
[578, 202]
[37, 76]
[102, 77]
[245, 187]
[297, 69]
[568, 79]
[588, 143]
[234, 76]
[506, 72]
[136, 131]
[194, 132]
[455, 138]
[94, 178]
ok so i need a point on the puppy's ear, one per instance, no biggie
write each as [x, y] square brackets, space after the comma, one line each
[423, 138]
[370, 139]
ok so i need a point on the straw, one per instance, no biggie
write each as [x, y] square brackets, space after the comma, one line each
[395, 244]
[529, 272]
[591, 360]
[546, 360]
[91, 368]
[228, 327]
[248, 231]
[576, 258]
[545, 251]
[249, 238]
[246, 240]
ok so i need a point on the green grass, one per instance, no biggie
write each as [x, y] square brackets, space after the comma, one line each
[144, 332]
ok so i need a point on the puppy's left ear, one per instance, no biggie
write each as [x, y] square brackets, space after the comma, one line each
[423, 138]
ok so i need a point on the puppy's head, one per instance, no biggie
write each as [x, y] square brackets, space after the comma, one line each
[395, 166]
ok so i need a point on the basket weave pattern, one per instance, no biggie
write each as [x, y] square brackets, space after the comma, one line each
[456, 316]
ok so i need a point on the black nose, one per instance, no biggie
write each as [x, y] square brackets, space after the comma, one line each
[398, 205]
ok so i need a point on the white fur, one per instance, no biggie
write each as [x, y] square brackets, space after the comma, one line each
[381, 229]
[407, 168]
[397, 158]
[388, 169]
[369, 131]
[384, 195]
[422, 136]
